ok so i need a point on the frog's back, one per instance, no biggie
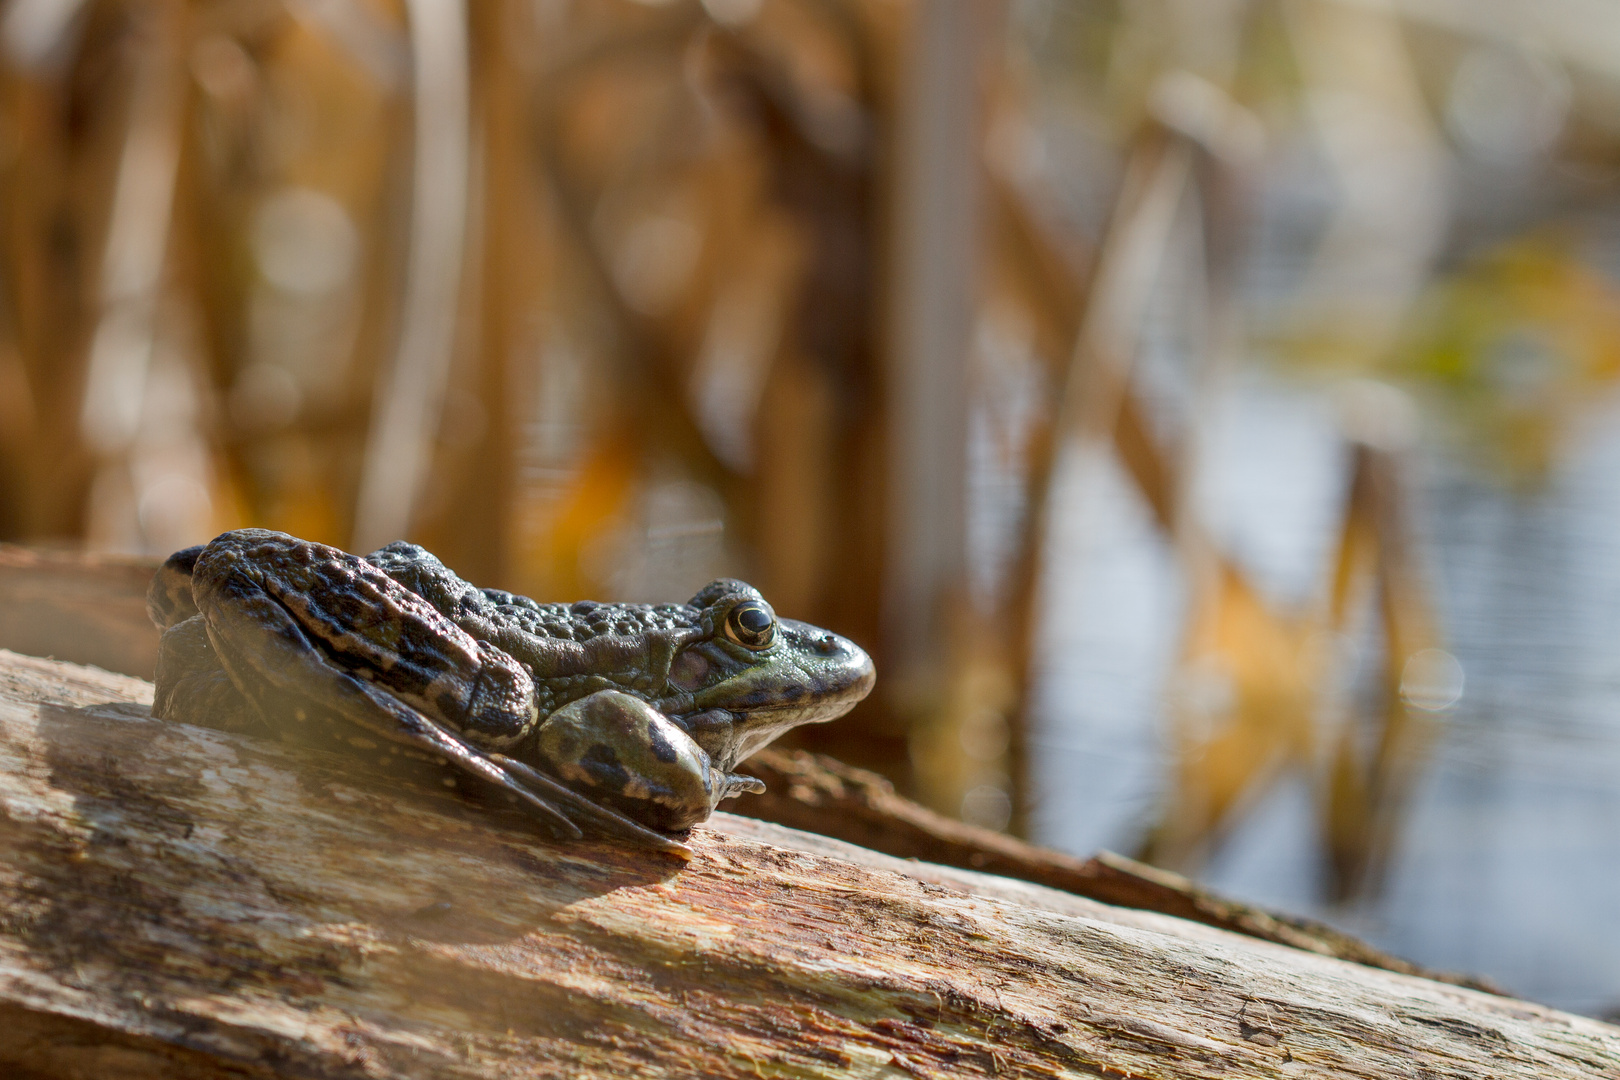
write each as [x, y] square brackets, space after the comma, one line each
[492, 613]
[588, 619]
[489, 614]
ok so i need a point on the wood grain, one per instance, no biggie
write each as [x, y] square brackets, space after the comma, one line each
[817, 793]
[183, 902]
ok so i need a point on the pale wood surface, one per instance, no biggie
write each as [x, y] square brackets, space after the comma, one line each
[181, 902]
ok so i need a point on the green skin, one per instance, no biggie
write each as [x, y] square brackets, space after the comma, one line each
[623, 719]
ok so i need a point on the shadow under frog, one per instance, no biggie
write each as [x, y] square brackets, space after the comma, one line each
[622, 720]
[140, 822]
[170, 882]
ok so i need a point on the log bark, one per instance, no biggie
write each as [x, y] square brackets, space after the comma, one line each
[819, 794]
[176, 901]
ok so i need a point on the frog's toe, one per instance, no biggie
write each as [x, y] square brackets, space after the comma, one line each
[561, 825]
[738, 784]
[585, 813]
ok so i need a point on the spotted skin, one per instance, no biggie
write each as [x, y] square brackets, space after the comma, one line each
[624, 719]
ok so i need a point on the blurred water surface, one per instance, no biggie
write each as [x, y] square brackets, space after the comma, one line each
[1509, 861]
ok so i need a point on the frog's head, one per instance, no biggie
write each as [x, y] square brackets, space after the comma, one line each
[748, 676]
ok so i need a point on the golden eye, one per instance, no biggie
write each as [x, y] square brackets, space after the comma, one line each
[752, 625]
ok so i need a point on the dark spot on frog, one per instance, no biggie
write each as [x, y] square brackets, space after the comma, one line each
[447, 702]
[661, 747]
[603, 762]
[703, 724]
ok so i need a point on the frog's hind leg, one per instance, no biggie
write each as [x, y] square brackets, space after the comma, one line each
[243, 621]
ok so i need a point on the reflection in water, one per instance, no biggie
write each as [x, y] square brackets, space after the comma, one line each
[1509, 861]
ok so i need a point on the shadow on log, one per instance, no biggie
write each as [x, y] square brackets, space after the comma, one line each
[183, 902]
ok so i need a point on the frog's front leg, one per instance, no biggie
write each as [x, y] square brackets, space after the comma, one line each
[626, 754]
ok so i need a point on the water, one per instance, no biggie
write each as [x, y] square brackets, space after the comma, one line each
[1509, 860]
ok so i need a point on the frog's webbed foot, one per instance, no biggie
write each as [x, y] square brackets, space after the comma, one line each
[583, 811]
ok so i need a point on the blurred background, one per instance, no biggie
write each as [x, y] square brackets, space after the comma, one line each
[1203, 409]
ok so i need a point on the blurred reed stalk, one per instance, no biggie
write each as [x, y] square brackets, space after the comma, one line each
[410, 395]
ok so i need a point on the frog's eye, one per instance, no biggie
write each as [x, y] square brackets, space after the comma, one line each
[752, 625]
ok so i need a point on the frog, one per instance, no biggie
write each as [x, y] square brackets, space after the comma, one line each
[621, 720]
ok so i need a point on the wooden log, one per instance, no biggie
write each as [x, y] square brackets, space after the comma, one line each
[817, 793]
[176, 901]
